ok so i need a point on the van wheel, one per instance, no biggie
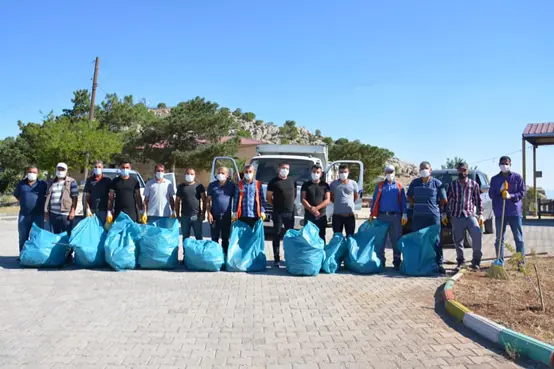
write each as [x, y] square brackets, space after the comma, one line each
[468, 242]
[488, 226]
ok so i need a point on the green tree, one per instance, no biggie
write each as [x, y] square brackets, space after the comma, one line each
[289, 130]
[237, 113]
[328, 141]
[259, 122]
[190, 134]
[318, 133]
[373, 157]
[249, 116]
[162, 106]
[81, 105]
[244, 133]
[13, 162]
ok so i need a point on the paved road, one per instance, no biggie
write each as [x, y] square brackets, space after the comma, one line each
[150, 319]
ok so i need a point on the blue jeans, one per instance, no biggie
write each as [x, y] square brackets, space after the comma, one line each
[24, 226]
[394, 233]
[187, 223]
[420, 222]
[516, 225]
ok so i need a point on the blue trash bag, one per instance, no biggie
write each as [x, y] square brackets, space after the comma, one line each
[45, 249]
[246, 251]
[304, 250]
[158, 247]
[418, 251]
[121, 245]
[87, 239]
[363, 246]
[204, 255]
[335, 253]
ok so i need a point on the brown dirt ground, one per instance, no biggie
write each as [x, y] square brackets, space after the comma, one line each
[515, 302]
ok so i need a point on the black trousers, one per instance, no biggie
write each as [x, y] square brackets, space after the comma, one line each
[280, 220]
[221, 227]
[320, 222]
[346, 222]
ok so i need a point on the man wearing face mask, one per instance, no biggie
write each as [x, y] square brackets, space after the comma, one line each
[465, 209]
[220, 196]
[97, 192]
[30, 193]
[249, 200]
[191, 205]
[344, 194]
[125, 191]
[61, 201]
[509, 187]
[389, 206]
[316, 196]
[428, 197]
[158, 196]
[281, 193]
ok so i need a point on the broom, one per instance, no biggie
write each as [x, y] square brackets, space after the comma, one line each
[496, 269]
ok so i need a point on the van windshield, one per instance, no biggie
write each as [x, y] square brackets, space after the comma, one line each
[267, 169]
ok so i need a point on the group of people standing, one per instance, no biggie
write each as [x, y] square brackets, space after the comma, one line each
[54, 203]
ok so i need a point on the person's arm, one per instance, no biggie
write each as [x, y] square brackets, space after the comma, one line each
[373, 198]
[177, 206]
[449, 197]
[494, 189]
[146, 197]
[262, 200]
[170, 195]
[403, 201]
[204, 200]
[326, 201]
[519, 192]
[441, 193]
[236, 199]
[269, 194]
[304, 201]
[410, 194]
[16, 193]
[138, 197]
[209, 199]
[477, 199]
[331, 189]
[356, 191]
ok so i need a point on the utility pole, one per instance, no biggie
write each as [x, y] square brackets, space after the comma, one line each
[91, 110]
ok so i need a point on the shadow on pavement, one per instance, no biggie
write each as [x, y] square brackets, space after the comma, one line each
[9, 262]
[466, 332]
[538, 222]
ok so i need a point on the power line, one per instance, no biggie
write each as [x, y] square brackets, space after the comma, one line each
[499, 156]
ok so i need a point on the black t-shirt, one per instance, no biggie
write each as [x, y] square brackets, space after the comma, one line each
[125, 198]
[190, 195]
[284, 194]
[315, 193]
[98, 192]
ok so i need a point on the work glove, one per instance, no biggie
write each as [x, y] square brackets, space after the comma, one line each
[173, 215]
[481, 220]
[143, 217]
[506, 195]
[233, 216]
[262, 215]
[109, 218]
[444, 219]
[404, 219]
[89, 213]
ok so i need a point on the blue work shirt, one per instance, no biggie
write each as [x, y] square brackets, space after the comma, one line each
[427, 197]
[221, 197]
[516, 188]
[31, 197]
[389, 198]
[248, 201]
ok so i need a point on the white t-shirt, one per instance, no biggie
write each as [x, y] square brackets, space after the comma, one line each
[158, 194]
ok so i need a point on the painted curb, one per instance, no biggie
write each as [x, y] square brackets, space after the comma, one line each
[494, 332]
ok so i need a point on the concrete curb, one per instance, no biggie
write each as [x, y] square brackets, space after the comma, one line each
[525, 345]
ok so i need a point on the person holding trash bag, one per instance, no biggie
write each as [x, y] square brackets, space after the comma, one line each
[219, 205]
[507, 187]
[428, 197]
[191, 205]
[61, 201]
[466, 213]
[158, 196]
[344, 194]
[31, 194]
[316, 196]
[97, 192]
[281, 193]
[249, 201]
[389, 206]
[125, 190]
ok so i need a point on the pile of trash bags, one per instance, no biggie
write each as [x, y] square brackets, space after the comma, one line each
[246, 248]
[418, 251]
[304, 253]
[203, 255]
[45, 249]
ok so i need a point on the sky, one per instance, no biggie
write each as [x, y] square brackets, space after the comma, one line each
[426, 79]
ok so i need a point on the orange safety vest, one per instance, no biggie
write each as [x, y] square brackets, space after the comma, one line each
[376, 201]
[256, 199]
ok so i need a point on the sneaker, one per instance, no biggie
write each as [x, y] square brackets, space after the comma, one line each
[459, 267]
[475, 267]
[276, 264]
[397, 267]
[442, 270]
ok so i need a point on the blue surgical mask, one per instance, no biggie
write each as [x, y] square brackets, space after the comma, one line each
[124, 172]
[159, 175]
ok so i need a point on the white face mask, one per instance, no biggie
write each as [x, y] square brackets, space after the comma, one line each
[61, 173]
[504, 168]
[159, 175]
[32, 177]
[316, 176]
[189, 178]
[424, 173]
[221, 177]
[343, 176]
[248, 176]
[124, 172]
[97, 171]
[283, 172]
[389, 176]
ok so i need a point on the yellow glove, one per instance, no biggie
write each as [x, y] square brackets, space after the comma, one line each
[172, 215]
[481, 220]
[89, 213]
[444, 220]
[263, 217]
[233, 217]
[143, 217]
[109, 218]
[506, 195]
[404, 219]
